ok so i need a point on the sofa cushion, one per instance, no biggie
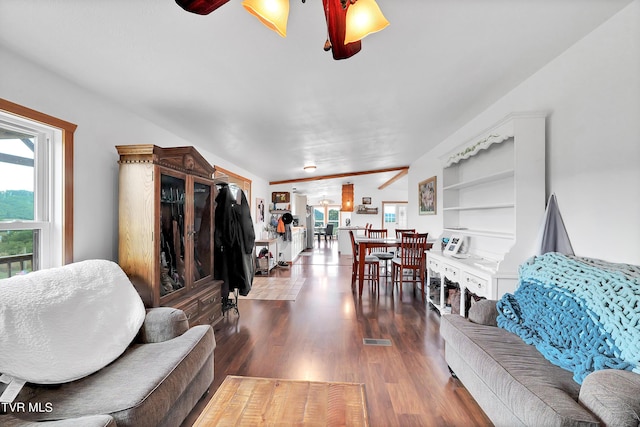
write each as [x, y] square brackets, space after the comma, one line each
[535, 390]
[138, 389]
[61, 324]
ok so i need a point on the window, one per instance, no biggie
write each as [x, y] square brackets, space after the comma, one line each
[325, 214]
[333, 213]
[36, 190]
[318, 216]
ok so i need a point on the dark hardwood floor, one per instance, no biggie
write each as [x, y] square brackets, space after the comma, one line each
[319, 337]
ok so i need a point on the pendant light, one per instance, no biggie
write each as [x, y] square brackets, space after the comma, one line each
[272, 13]
[364, 17]
[347, 198]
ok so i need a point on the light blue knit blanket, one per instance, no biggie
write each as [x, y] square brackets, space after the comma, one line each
[582, 314]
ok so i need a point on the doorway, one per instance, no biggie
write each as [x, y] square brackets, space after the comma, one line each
[394, 215]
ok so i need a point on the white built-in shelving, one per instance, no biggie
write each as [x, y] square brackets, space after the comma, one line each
[493, 196]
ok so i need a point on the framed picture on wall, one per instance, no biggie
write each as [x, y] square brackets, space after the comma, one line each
[427, 196]
[280, 197]
[366, 200]
[259, 210]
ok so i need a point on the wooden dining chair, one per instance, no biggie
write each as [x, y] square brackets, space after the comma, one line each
[399, 232]
[328, 232]
[381, 252]
[412, 259]
[372, 265]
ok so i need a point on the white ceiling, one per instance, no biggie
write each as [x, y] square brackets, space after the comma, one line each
[270, 105]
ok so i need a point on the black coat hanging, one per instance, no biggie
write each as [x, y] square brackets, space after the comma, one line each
[234, 242]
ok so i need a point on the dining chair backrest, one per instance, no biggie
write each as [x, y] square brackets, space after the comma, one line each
[377, 234]
[354, 247]
[399, 231]
[413, 247]
[329, 230]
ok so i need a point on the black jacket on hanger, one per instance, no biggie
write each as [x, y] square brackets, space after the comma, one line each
[234, 241]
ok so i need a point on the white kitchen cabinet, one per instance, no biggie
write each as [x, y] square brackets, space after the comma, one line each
[289, 251]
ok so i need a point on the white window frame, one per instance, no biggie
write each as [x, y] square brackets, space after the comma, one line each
[53, 192]
[47, 250]
[326, 209]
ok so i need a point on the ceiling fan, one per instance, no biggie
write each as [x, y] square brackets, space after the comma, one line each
[348, 21]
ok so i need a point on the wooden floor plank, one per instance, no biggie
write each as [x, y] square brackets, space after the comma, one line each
[319, 336]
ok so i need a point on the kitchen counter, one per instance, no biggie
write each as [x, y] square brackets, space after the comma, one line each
[344, 241]
[288, 251]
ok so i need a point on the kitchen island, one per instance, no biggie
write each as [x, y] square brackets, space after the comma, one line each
[344, 241]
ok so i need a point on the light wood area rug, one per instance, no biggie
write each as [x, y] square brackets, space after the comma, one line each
[250, 401]
[275, 288]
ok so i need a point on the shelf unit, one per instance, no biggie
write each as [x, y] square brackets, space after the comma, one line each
[479, 207]
[477, 275]
[509, 173]
[272, 247]
[493, 196]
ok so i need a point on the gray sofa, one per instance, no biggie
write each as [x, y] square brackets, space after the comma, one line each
[156, 382]
[516, 386]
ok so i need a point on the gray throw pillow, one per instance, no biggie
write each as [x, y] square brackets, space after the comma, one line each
[484, 312]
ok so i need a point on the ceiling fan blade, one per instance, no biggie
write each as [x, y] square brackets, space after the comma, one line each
[201, 7]
[336, 18]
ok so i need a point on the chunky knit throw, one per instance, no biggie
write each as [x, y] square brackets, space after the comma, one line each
[581, 314]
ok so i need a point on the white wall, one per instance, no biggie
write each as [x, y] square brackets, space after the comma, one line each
[377, 197]
[101, 126]
[592, 92]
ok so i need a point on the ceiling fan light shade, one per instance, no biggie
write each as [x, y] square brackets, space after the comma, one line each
[364, 17]
[272, 13]
[201, 7]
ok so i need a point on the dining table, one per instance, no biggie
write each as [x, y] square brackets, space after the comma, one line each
[363, 245]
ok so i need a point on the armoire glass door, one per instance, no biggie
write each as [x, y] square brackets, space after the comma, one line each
[201, 231]
[172, 234]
